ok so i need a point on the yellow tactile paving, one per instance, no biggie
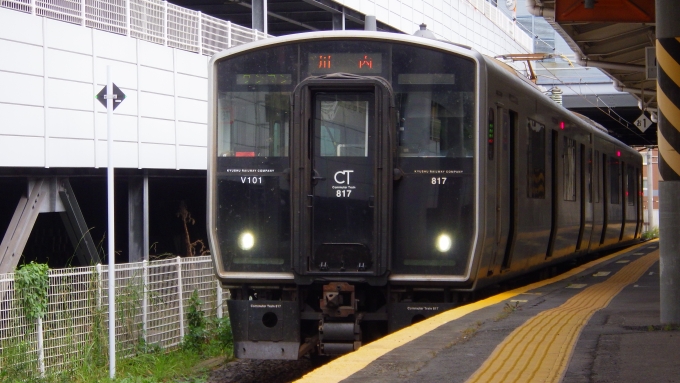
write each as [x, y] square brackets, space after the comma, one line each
[343, 367]
[540, 349]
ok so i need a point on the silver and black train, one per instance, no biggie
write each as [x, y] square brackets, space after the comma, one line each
[362, 181]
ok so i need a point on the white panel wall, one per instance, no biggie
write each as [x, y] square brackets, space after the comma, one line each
[50, 72]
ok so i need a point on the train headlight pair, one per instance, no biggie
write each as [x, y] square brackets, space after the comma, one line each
[246, 240]
[444, 243]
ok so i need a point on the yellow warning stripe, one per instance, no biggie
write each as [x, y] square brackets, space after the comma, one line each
[668, 63]
[672, 114]
[346, 365]
[540, 349]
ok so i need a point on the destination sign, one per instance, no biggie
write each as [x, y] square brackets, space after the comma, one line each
[263, 79]
[321, 63]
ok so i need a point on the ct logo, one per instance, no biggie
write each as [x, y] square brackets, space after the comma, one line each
[342, 176]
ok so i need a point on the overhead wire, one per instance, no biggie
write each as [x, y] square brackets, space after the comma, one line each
[609, 111]
[619, 119]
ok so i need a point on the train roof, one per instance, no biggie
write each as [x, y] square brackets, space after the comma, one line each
[352, 34]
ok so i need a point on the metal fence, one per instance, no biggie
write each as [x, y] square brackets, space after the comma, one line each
[151, 305]
[152, 20]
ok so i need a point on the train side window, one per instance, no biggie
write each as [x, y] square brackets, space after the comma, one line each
[630, 188]
[569, 169]
[535, 159]
[614, 181]
[596, 176]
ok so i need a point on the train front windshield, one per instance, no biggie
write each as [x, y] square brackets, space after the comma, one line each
[432, 143]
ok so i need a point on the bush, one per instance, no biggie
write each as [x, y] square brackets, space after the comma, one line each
[654, 233]
[195, 338]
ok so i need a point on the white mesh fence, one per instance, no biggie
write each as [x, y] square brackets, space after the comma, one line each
[17, 5]
[70, 11]
[147, 20]
[151, 304]
[183, 28]
[156, 21]
[107, 15]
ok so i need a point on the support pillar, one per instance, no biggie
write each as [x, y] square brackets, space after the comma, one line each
[339, 21]
[259, 15]
[650, 191]
[138, 219]
[668, 95]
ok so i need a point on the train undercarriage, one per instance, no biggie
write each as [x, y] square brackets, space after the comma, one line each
[288, 322]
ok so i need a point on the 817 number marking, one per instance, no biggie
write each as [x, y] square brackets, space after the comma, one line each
[438, 180]
[342, 193]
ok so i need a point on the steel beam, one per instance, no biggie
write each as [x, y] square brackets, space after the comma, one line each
[20, 227]
[77, 229]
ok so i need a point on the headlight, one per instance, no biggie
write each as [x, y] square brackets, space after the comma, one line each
[444, 243]
[246, 241]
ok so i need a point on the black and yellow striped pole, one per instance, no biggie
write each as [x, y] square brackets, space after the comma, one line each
[668, 98]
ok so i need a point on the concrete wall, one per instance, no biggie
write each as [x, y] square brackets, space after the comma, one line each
[50, 72]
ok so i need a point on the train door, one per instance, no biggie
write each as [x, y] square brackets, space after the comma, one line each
[624, 198]
[554, 205]
[587, 189]
[605, 197]
[341, 194]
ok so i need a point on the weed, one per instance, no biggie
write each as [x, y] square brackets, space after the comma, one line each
[31, 282]
[653, 233]
[508, 309]
[195, 338]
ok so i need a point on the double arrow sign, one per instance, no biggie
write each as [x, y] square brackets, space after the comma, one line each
[118, 96]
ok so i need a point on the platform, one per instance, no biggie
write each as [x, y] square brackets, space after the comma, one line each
[596, 323]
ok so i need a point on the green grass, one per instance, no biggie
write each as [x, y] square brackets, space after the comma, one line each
[175, 366]
[209, 346]
[180, 365]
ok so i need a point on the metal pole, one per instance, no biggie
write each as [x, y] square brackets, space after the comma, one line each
[99, 286]
[180, 292]
[111, 247]
[146, 216]
[220, 299]
[264, 15]
[650, 191]
[145, 297]
[41, 348]
[668, 86]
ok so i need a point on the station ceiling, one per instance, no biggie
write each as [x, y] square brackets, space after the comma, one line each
[612, 35]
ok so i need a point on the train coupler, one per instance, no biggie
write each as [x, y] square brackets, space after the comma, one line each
[338, 300]
[337, 338]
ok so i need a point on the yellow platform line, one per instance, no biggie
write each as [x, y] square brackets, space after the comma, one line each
[540, 349]
[349, 364]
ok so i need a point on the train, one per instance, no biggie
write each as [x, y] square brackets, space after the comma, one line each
[361, 181]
